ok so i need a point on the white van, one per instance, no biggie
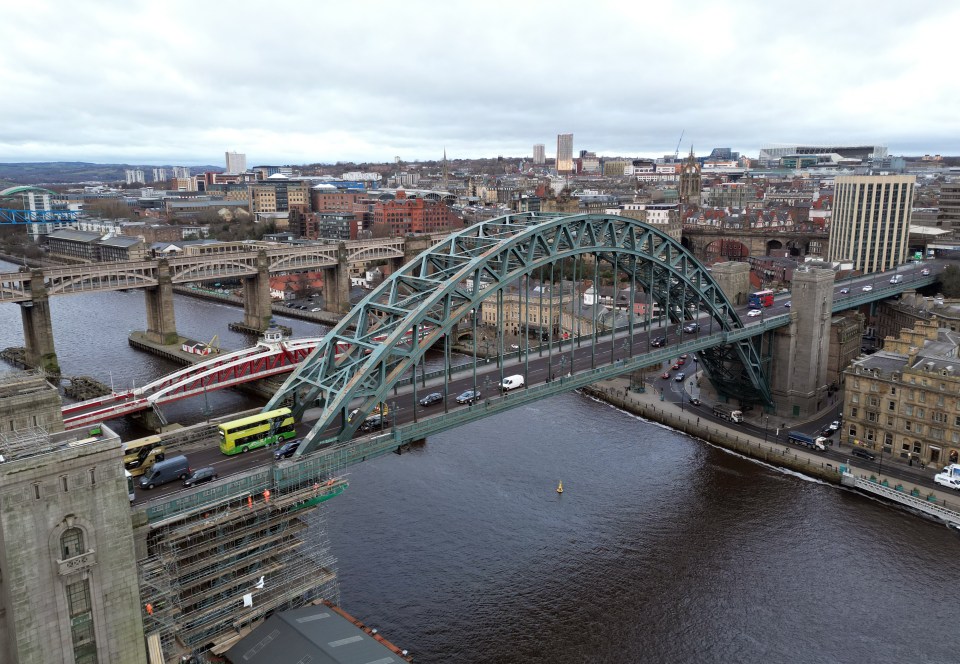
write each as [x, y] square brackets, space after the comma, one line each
[896, 279]
[511, 382]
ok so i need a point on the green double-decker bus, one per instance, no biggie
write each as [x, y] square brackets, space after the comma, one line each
[249, 433]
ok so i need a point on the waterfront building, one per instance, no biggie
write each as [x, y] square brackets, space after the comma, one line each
[277, 194]
[871, 221]
[236, 163]
[404, 215]
[904, 401]
[564, 154]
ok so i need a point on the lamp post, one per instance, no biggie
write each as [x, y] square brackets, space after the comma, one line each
[880, 469]
[766, 427]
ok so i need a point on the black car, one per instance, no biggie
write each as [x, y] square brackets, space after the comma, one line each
[828, 432]
[432, 398]
[200, 475]
[691, 328]
[374, 423]
[286, 450]
[469, 396]
[658, 342]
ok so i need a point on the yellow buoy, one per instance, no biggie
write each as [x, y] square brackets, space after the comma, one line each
[560, 487]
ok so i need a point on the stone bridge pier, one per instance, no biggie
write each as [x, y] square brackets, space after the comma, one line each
[257, 309]
[161, 323]
[38, 327]
[336, 284]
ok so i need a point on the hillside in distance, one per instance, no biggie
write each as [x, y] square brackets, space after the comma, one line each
[73, 172]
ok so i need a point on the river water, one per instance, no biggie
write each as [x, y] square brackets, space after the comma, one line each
[661, 548]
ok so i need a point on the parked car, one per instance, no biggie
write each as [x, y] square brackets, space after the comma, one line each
[844, 291]
[200, 475]
[828, 432]
[835, 425]
[679, 377]
[863, 453]
[867, 288]
[658, 342]
[432, 398]
[665, 375]
[754, 312]
[469, 396]
[286, 450]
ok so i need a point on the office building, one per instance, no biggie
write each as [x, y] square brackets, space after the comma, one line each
[564, 154]
[539, 155]
[948, 212]
[236, 163]
[871, 220]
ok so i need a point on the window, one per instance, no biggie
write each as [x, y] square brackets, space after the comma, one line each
[71, 543]
[893, 390]
[940, 400]
[854, 398]
[907, 425]
[891, 405]
[871, 416]
[889, 421]
[908, 411]
[853, 430]
[917, 447]
[870, 434]
[853, 412]
[874, 401]
[922, 397]
[939, 417]
[921, 413]
[887, 439]
[81, 622]
[936, 434]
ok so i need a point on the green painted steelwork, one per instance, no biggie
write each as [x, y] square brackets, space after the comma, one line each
[389, 331]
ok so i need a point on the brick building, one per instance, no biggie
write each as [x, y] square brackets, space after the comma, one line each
[404, 215]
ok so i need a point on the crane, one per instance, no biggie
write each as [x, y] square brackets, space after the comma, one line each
[676, 153]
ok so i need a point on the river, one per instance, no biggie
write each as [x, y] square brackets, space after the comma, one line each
[661, 548]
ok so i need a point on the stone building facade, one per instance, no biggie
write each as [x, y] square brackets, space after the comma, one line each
[69, 589]
[904, 401]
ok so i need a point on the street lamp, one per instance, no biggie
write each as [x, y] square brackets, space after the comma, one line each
[766, 427]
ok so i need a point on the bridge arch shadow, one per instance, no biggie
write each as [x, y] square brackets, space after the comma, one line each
[422, 304]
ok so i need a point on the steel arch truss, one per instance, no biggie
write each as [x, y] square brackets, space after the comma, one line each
[390, 330]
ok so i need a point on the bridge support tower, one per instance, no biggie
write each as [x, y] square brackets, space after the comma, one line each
[733, 277]
[336, 284]
[413, 246]
[38, 327]
[161, 324]
[801, 350]
[256, 296]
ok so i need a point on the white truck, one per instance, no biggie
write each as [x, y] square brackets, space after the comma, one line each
[949, 477]
[511, 382]
[728, 413]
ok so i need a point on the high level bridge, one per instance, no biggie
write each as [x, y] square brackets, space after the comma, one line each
[32, 289]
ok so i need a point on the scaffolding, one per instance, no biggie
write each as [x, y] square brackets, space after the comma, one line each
[213, 574]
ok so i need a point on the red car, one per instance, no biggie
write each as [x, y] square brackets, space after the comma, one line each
[675, 366]
[665, 375]
[681, 362]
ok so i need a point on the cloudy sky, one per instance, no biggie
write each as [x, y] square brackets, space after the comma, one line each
[316, 81]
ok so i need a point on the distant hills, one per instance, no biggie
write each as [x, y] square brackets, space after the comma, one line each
[73, 172]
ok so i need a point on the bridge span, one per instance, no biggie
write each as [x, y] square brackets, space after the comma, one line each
[273, 355]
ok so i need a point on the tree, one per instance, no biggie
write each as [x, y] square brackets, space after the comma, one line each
[381, 229]
[950, 281]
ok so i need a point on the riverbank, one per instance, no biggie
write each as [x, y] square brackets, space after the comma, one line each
[648, 405]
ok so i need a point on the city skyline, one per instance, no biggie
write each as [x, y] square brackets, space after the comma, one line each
[255, 81]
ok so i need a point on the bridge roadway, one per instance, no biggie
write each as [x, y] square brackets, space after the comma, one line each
[546, 370]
